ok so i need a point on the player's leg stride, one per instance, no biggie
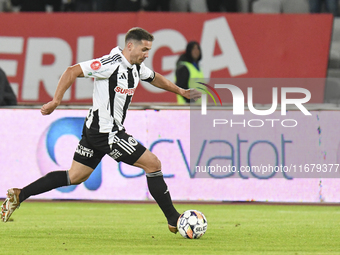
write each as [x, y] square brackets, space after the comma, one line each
[156, 184]
[155, 180]
[46, 183]
[157, 187]
[10, 204]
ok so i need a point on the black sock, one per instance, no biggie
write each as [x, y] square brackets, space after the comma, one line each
[159, 191]
[46, 183]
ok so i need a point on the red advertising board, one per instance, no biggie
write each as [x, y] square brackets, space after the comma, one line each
[35, 48]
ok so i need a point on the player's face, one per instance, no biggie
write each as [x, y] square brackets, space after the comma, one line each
[140, 51]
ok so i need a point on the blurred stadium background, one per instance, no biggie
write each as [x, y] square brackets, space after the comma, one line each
[265, 39]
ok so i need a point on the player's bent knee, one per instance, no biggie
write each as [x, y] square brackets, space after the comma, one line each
[149, 162]
[157, 164]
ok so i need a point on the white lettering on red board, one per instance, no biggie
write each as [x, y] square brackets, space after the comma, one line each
[35, 72]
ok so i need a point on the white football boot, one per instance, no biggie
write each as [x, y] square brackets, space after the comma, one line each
[10, 204]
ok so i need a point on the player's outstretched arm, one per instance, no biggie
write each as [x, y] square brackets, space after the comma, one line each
[66, 80]
[161, 82]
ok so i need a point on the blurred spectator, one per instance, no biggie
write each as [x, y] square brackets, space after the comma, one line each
[36, 5]
[295, 6]
[5, 5]
[188, 6]
[156, 5]
[7, 96]
[331, 6]
[187, 68]
[68, 6]
[222, 5]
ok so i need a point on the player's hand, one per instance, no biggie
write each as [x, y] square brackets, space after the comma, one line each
[48, 108]
[192, 94]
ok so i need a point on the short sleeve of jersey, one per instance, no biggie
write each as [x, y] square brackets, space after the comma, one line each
[146, 74]
[95, 69]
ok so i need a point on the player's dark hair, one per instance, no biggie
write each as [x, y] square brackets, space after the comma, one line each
[138, 34]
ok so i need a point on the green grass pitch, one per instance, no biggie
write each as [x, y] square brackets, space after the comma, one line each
[110, 228]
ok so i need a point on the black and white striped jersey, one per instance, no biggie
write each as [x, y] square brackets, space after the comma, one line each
[115, 82]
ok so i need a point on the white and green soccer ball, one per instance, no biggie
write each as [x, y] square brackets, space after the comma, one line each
[192, 224]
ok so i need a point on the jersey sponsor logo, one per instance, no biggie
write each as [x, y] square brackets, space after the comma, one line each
[125, 91]
[95, 65]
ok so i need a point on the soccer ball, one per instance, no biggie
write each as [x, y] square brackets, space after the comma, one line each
[192, 224]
